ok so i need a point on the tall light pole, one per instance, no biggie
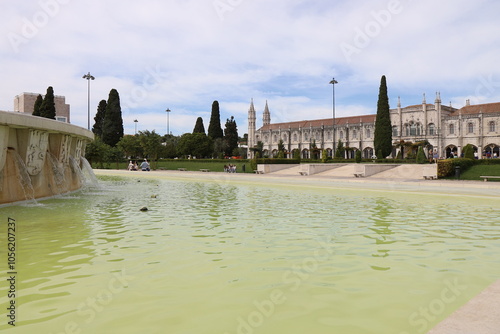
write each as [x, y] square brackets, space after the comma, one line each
[168, 121]
[89, 77]
[333, 82]
[135, 121]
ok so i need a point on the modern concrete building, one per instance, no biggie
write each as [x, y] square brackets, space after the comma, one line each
[446, 129]
[25, 103]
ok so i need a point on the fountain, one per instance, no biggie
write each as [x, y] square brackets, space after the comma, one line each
[39, 157]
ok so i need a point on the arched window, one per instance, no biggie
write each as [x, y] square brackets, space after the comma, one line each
[470, 128]
[452, 129]
[432, 129]
[275, 138]
[413, 129]
[306, 136]
[295, 137]
[354, 134]
[285, 138]
[492, 126]
[395, 131]
[329, 135]
[341, 134]
[368, 133]
[266, 138]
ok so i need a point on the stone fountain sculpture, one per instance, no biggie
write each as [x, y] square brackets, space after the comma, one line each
[39, 157]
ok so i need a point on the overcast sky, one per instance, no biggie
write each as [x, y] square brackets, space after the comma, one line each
[184, 54]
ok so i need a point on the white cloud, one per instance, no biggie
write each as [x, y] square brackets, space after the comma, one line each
[184, 54]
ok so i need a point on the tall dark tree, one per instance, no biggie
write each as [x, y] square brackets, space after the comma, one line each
[48, 107]
[383, 127]
[38, 105]
[99, 118]
[214, 128]
[112, 126]
[199, 127]
[231, 135]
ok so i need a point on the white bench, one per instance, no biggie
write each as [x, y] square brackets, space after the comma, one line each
[182, 169]
[489, 177]
[430, 177]
[258, 172]
[303, 173]
[359, 174]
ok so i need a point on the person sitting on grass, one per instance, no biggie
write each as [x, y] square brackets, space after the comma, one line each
[145, 165]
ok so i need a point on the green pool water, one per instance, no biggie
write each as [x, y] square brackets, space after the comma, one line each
[228, 257]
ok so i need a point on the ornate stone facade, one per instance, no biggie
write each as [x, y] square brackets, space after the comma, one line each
[446, 129]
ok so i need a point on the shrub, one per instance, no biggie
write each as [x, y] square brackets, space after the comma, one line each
[421, 158]
[358, 157]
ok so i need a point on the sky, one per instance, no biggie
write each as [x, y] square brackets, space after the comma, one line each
[185, 54]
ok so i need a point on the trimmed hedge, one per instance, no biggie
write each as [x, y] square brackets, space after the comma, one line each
[447, 167]
[269, 161]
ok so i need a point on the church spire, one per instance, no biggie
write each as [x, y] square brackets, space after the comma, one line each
[251, 130]
[267, 115]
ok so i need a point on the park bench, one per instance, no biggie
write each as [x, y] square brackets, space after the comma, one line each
[204, 170]
[489, 177]
[256, 171]
[182, 169]
[303, 173]
[359, 174]
[430, 177]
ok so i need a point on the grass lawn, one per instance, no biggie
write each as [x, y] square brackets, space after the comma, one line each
[475, 172]
[190, 165]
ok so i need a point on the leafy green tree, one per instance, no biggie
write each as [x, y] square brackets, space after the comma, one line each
[296, 155]
[199, 127]
[48, 107]
[383, 127]
[231, 135]
[38, 105]
[131, 146]
[99, 118]
[97, 152]
[194, 144]
[214, 128]
[219, 148]
[112, 126]
[151, 144]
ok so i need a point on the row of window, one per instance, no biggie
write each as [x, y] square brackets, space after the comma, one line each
[413, 129]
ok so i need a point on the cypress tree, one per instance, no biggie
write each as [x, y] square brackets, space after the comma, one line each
[48, 107]
[99, 118]
[383, 128]
[199, 127]
[38, 105]
[214, 128]
[112, 125]
[231, 135]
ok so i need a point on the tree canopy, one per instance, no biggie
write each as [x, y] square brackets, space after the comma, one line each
[112, 126]
[199, 127]
[383, 128]
[231, 136]
[99, 118]
[214, 128]
[48, 106]
[38, 105]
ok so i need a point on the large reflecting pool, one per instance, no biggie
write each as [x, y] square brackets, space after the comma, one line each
[222, 257]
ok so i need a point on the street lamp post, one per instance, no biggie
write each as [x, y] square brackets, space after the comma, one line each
[333, 82]
[89, 77]
[135, 121]
[168, 121]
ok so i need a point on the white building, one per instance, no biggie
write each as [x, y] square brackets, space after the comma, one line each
[447, 130]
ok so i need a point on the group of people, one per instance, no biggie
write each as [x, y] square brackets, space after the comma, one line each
[144, 166]
[230, 168]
